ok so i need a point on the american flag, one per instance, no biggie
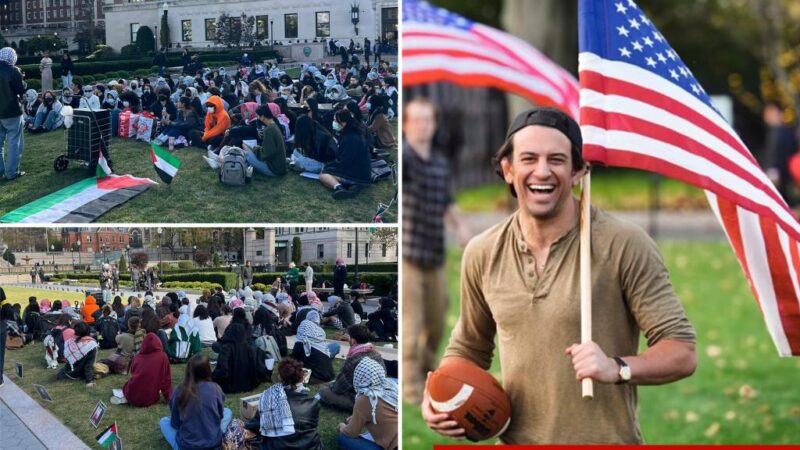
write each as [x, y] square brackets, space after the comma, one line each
[442, 46]
[641, 107]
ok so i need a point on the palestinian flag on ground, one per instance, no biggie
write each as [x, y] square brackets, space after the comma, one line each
[165, 163]
[81, 202]
[108, 435]
[103, 170]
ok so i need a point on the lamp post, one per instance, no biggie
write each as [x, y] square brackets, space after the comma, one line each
[194, 255]
[72, 253]
[356, 279]
[52, 253]
[354, 16]
[128, 255]
[159, 231]
[80, 263]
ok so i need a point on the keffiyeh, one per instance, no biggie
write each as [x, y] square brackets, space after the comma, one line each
[75, 351]
[369, 380]
[276, 416]
[8, 56]
[312, 336]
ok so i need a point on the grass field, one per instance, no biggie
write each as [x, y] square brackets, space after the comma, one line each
[195, 194]
[20, 295]
[742, 392]
[73, 402]
[612, 189]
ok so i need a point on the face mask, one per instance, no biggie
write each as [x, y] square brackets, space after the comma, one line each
[147, 91]
[285, 97]
[233, 83]
[126, 104]
[336, 126]
[256, 92]
[87, 94]
[48, 100]
[211, 109]
[378, 90]
[68, 97]
[368, 105]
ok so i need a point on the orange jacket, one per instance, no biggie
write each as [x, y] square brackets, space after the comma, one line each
[217, 123]
[89, 308]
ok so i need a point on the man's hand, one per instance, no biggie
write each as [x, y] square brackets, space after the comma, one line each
[340, 427]
[589, 361]
[439, 422]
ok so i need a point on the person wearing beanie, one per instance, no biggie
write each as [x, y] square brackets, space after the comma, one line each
[520, 281]
[12, 87]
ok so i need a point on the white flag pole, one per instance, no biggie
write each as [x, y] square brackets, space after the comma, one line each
[586, 273]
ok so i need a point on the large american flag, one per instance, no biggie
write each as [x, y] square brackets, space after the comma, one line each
[442, 46]
[641, 107]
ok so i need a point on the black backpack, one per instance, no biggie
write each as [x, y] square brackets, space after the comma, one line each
[107, 330]
[34, 323]
[58, 338]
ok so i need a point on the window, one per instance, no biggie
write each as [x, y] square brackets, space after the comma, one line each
[290, 25]
[262, 28]
[349, 250]
[320, 251]
[134, 30]
[186, 30]
[89, 239]
[366, 249]
[211, 29]
[383, 250]
[259, 252]
[389, 24]
[323, 24]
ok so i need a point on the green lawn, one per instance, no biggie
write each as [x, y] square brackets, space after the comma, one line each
[73, 402]
[612, 188]
[195, 194]
[741, 393]
[20, 295]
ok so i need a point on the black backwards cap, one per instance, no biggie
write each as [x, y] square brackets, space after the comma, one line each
[548, 117]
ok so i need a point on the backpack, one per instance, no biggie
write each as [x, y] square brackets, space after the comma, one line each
[34, 324]
[107, 330]
[234, 168]
[58, 339]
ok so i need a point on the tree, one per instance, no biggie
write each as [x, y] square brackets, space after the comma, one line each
[87, 9]
[145, 41]
[9, 256]
[248, 33]
[297, 250]
[385, 236]
[83, 37]
[139, 260]
[201, 257]
[46, 42]
[164, 33]
[123, 264]
[215, 260]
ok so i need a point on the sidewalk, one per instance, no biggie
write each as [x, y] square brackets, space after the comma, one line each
[24, 424]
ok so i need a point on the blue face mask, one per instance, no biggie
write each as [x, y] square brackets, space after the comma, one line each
[336, 126]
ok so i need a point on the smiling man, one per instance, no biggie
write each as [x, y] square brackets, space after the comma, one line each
[520, 282]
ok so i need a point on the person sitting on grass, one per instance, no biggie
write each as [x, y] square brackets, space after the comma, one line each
[240, 366]
[314, 146]
[288, 417]
[313, 350]
[134, 309]
[198, 418]
[150, 375]
[269, 158]
[48, 116]
[32, 316]
[107, 329]
[383, 322]
[340, 315]
[380, 131]
[216, 122]
[222, 322]
[184, 340]
[205, 326]
[375, 409]
[130, 342]
[341, 394]
[299, 315]
[352, 168]
[89, 309]
[80, 353]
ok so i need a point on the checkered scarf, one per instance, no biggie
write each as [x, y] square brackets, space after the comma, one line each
[313, 316]
[8, 56]
[276, 416]
[370, 380]
[75, 351]
[312, 336]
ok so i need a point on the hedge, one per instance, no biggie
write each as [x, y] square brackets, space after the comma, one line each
[226, 279]
[371, 267]
[190, 285]
[383, 283]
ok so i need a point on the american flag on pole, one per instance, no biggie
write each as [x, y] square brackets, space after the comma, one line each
[641, 107]
[442, 46]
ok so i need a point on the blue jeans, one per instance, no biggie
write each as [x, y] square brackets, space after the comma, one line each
[308, 164]
[47, 119]
[171, 434]
[11, 127]
[333, 349]
[66, 80]
[161, 71]
[258, 165]
[356, 443]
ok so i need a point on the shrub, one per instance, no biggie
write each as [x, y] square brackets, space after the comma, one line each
[34, 84]
[129, 50]
[77, 79]
[184, 265]
[383, 283]
[190, 285]
[145, 41]
[260, 287]
[142, 72]
[101, 51]
[88, 79]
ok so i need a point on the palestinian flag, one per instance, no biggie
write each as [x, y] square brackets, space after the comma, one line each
[165, 163]
[81, 202]
[102, 166]
[108, 436]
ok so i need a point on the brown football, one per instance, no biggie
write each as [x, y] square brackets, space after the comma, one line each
[472, 397]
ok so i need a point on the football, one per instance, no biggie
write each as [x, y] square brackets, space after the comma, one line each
[472, 397]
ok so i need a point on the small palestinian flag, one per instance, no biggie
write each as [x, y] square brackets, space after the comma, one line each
[80, 202]
[165, 163]
[108, 436]
[103, 170]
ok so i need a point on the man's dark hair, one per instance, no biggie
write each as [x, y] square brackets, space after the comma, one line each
[359, 332]
[264, 111]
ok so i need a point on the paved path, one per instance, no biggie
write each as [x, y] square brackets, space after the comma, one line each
[24, 424]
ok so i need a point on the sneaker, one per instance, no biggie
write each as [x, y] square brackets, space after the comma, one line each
[19, 174]
[118, 401]
[212, 162]
[296, 167]
[210, 149]
[211, 154]
[343, 193]
[249, 172]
